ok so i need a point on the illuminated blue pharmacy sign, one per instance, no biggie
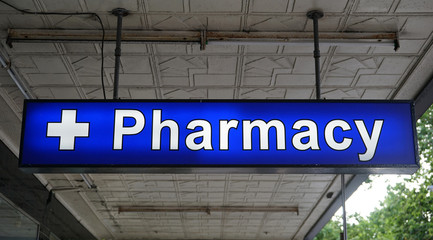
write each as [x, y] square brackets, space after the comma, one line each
[218, 137]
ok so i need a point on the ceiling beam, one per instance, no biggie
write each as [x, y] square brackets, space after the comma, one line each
[424, 99]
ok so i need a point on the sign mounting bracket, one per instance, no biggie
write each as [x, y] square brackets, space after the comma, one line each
[316, 15]
[120, 13]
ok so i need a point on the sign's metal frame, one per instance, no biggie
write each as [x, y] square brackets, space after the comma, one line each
[227, 169]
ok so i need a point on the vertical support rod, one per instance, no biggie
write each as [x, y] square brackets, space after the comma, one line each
[315, 15]
[343, 199]
[120, 13]
[317, 56]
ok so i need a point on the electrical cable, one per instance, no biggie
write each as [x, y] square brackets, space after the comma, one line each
[72, 14]
[102, 55]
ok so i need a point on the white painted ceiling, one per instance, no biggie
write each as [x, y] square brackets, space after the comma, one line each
[183, 71]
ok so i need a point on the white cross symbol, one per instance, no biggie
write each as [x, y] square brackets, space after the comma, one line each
[68, 129]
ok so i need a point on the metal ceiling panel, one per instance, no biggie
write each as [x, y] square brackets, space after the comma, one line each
[182, 71]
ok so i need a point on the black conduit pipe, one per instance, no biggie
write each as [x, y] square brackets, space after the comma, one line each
[315, 15]
[120, 13]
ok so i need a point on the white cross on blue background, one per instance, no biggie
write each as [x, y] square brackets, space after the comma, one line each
[68, 129]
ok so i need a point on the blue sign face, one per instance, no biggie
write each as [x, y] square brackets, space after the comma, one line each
[218, 136]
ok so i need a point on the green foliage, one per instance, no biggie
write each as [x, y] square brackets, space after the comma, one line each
[330, 231]
[425, 145]
[407, 211]
[425, 134]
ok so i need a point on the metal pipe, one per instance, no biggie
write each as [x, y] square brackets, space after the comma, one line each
[12, 74]
[317, 57]
[212, 37]
[343, 199]
[120, 13]
[300, 43]
[89, 182]
[206, 209]
[315, 15]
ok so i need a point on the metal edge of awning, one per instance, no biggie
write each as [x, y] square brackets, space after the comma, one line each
[422, 102]
[351, 187]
